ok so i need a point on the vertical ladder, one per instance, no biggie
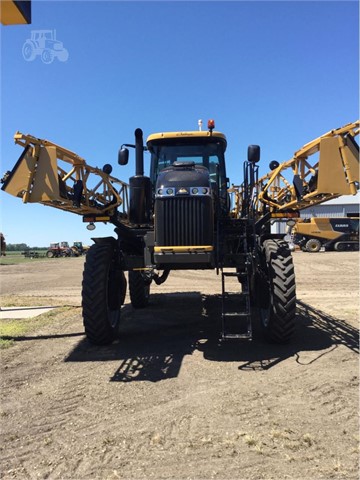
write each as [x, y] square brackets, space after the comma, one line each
[236, 321]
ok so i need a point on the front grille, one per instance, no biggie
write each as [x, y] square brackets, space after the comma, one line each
[183, 221]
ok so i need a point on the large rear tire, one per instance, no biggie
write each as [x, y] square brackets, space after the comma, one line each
[139, 288]
[276, 293]
[313, 245]
[103, 293]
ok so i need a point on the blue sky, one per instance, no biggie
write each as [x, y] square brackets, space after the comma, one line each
[273, 73]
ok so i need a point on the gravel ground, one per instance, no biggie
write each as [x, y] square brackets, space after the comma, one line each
[167, 401]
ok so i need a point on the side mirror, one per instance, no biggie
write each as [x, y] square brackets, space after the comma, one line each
[123, 156]
[253, 153]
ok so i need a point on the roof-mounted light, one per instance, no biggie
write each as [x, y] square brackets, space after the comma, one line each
[211, 125]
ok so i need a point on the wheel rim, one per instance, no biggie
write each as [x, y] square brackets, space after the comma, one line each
[314, 247]
[265, 316]
[147, 291]
[114, 317]
[113, 299]
[264, 299]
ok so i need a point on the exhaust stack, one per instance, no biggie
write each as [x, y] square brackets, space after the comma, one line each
[140, 187]
[139, 152]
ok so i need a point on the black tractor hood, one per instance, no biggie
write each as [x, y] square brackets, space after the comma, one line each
[183, 174]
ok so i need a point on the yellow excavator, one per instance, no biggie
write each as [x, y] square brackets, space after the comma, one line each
[185, 215]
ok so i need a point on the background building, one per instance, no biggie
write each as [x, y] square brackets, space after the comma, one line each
[344, 206]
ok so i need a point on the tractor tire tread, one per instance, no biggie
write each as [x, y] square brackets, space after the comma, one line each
[98, 330]
[139, 291]
[282, 326]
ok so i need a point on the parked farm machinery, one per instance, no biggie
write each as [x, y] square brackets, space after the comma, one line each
[184, 215]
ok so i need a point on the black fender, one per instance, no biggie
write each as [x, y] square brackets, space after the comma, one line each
[105, 241]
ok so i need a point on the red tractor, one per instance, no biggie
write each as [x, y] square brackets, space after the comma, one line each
[61, 249]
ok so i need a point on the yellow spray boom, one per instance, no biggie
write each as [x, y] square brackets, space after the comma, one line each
[52, 175]
[324, 168]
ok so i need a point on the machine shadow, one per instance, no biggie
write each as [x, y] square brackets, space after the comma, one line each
[155, 340]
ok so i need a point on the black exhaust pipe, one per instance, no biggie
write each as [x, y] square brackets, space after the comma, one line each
[140, 186]
[139, 152]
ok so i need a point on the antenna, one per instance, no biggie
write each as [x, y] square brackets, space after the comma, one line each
[200, 122]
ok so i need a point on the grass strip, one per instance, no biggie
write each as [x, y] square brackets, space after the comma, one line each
[12, 328]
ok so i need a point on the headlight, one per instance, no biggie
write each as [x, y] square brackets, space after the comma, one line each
[195, 191]
[165, 192]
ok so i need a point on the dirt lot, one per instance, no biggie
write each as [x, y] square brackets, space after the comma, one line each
[167, 401]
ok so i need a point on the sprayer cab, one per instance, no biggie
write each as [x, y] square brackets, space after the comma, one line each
[175, 154]
[183, 165]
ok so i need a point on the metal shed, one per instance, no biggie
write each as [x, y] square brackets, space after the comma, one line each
[344, 206]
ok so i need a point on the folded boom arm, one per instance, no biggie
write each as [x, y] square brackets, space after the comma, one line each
[324, 168]
[54, 176]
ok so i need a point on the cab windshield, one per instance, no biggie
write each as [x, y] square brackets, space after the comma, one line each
[209, 155]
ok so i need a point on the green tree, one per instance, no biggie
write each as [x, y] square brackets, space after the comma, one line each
[16, 247]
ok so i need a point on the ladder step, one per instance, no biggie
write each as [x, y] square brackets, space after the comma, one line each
[233, 336]
[236, 317]
[238, 275]
[235, 294]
